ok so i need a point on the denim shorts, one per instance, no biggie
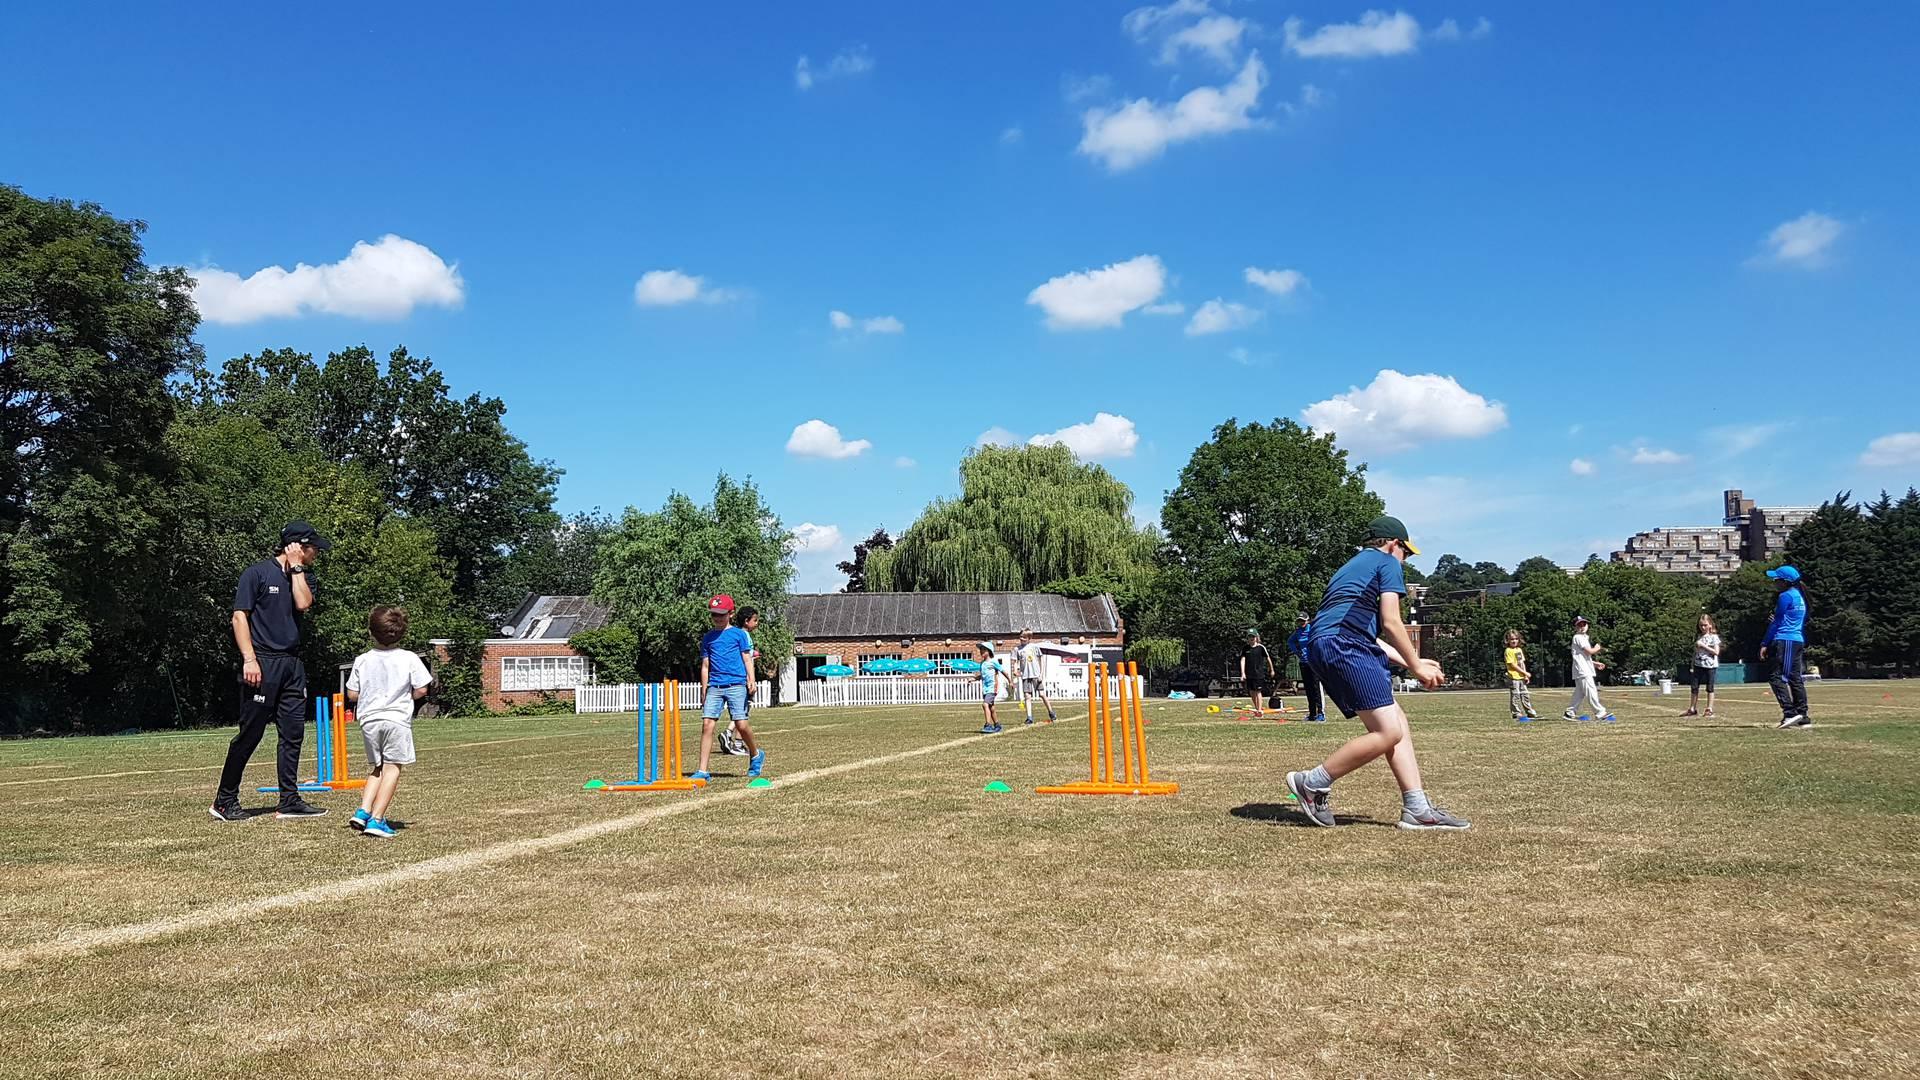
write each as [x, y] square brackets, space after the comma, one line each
[733, 698]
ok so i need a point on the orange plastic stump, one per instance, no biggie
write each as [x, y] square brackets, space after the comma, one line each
[664, 743]
[1132, 777]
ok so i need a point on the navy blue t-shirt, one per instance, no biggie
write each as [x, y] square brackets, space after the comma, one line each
[1351, 608]
[265, 593]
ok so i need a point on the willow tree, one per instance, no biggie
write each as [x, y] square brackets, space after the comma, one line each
[1027, 516]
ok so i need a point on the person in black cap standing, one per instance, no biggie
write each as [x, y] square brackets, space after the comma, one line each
[271, 594]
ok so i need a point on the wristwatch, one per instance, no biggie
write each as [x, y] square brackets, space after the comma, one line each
[297, 569]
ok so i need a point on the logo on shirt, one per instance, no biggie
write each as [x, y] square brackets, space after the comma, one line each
[273, 588]
[260, 699]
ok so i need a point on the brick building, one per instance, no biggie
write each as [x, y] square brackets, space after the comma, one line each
[531, 658]
[850, 628]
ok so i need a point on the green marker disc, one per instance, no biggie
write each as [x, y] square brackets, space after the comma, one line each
[759, 781]
[996, 786]
[593, 785]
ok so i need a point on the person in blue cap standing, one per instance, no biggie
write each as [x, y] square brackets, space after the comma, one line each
[1786, 642]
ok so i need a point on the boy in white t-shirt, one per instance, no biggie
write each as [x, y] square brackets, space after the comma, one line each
[385, 682]
[1585, 674]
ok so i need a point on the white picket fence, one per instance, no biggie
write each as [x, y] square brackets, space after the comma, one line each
[934, 690]
[625, 697]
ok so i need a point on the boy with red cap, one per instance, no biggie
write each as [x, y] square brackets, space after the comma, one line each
[726, 681]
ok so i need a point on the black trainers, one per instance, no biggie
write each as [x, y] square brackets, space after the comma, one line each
[1313, 801]
[227, 811]
[1797, 720]
[298, 808]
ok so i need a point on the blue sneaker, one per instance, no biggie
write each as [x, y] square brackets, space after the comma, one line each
[703, 776]
[1583, 719]
[990, 729]
[378, 827]
[1609, 719]
[1523, 719]
[359, 820]
[753, 767]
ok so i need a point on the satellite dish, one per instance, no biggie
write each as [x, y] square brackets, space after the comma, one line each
[507, 631]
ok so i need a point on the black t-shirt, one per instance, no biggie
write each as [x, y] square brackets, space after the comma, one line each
[1259, 663]
[265, 593]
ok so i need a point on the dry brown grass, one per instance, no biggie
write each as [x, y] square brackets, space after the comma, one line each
[1658, 898]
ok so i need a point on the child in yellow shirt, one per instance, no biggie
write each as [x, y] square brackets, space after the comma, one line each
[1519, 701]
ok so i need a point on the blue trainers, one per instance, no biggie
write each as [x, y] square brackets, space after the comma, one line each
[753, 767]
[703, 776]
[359, 820]
[1609, 719]
[378, 827]
[1583, 719]
[1523, 719]
[990, 729]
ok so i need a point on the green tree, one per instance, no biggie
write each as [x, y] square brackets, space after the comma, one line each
[657, 571]
[1645, 620]
[856, 569]
[1454, 573]
[1262, 517]
[1026, 516]
[614, 650]
[1538, 564]
[89, 336]
[556, 562]
[449, 463]
[1836, 554]
[1741, 606]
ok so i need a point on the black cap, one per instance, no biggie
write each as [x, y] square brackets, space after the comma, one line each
[1386, 527]
[301, 532]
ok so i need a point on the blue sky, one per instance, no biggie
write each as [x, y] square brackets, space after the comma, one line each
[1620, 257]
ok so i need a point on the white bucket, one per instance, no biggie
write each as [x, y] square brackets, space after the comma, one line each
[1666, 687]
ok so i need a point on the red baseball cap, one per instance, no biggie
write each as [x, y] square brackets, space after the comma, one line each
[721, 605]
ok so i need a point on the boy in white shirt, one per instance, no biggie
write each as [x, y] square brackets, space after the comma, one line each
[1585, 669]
[385, 682]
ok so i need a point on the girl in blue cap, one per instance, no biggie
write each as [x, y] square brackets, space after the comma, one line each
[1786, 640]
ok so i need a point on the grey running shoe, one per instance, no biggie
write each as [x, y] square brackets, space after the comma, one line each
[1313, 802]
[1434, 818]
[299, 808]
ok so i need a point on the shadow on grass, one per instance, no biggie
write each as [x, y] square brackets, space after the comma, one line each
[1287, 814]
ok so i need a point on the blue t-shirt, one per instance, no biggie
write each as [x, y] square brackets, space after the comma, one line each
[1789, 622]
[987, 670]
[1351, 608]
[1298, 644]
[265, 593]
[726, 652]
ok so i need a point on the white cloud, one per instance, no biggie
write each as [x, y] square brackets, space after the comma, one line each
[1376, 34]
[1396, 411]
[1900, 448]
[819, 439]
[1218, 316]
[854, 60]
[1733, 440]
[386, 279]
[1482, 28]
[1011, 135]
[1643, 455]
[671, 288]
[1123, 136]
[1277, 282]
[811, 538]
[1077, 89]
[879, 324]
[1802, 243]
[1090, 299]
[1105, 436]
[1171, 307]
[997, 436]
[1448, 30]
[1208, 33]
[904, 462]
[1581, 467]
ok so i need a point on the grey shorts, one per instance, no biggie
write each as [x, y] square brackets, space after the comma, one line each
[387, 743]
[1032, 688]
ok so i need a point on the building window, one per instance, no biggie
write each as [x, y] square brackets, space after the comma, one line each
[544, 672]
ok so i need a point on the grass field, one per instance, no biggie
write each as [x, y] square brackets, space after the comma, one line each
[1661, 897]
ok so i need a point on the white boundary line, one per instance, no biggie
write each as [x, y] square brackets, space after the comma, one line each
[82, 943]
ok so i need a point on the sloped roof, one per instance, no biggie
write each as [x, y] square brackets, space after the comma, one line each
[953, 614]
[554, 618]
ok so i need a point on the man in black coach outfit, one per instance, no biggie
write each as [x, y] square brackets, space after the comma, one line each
[273, 688]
